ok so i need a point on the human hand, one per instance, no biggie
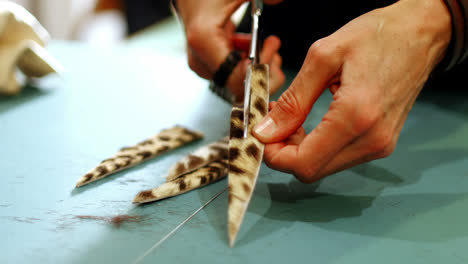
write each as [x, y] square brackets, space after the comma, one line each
[211, 36]
[375, 66]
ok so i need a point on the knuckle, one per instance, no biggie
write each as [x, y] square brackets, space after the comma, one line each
[304, 179]
[192, 62]
[320, 51]
[269, 163]
[194, 33]
[270, 159]
[365, 119]
[197, 35]
[306, 174]
[384, 144]
[289, 104]
[361, 115]
[195, 40]
[195, 65]
[386, 152]
[387, 148]
[281, 78]
[192, 38]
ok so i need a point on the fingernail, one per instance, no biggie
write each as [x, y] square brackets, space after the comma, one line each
[265, 128]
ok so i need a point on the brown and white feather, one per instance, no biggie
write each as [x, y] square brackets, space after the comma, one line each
[200, 177]
[127, 157]
[246, 154]
[199, 158]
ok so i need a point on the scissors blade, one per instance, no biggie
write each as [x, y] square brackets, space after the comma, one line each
[256, 6]
[247, 95]
[254, 43]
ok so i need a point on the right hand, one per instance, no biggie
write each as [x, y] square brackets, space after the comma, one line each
[211, 37]
[375, 66]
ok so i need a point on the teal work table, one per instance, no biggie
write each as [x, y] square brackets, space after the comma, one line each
[409, 208]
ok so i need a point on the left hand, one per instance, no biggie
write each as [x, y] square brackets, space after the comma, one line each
[211, 35]
[375, 66]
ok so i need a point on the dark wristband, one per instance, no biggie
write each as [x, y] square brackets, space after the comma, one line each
[225, 69]
[218, 84]
[464, 9]
[454, 50]
[457, 50]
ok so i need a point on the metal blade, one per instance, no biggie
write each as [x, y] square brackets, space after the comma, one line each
[254, 43]
[257, 6]
[247, 95]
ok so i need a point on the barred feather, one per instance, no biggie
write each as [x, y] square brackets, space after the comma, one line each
[127, 157]
[193, 180]
[246, 154]
[201, 157]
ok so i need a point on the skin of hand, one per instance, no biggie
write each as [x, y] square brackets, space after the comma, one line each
[375, 66]
[211, 36]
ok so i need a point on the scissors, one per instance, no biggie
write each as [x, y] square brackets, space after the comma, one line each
[257, 7]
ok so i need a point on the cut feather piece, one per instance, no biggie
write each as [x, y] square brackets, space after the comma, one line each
[199, 158]
[127, 157]
[198, 178]
[246, 154]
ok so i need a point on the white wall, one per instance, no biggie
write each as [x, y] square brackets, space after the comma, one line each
[59, 17]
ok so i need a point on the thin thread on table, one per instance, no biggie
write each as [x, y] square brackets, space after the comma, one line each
[157, 244]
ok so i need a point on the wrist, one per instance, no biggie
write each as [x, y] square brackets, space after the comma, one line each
[430, 23]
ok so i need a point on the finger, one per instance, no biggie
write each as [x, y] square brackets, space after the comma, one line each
[229, 28]
[241, 41]
[235, 82]
[334, 88]
[379, 142]
[277, 60]
[212, 40]
[322, 62]
[290, 144]
[285, 151]
[270, 48]
[271, 45]
[277, 77]
[350, 116]
[269, 51]
[197, 65]
[269, 55]
[335, 83]
[271, 105]
[297, 137]
[376, 143]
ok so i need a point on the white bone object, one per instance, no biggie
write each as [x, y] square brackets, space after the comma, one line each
[22, 42]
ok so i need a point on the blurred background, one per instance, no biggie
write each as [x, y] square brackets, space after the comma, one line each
[96, 21]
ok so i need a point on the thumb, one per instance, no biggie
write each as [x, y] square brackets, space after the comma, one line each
[293, 106]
